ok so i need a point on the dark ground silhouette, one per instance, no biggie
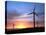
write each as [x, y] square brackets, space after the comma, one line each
[27, 30]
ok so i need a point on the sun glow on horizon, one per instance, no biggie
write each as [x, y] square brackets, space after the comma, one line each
[23, 24]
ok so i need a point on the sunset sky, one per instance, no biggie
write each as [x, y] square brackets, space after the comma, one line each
[17, 13]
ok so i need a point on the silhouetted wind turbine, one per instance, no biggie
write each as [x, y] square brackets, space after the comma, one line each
[13, 26]
[33, 16]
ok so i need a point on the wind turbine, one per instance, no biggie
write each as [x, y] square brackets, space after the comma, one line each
[34, 13]
[13, 26]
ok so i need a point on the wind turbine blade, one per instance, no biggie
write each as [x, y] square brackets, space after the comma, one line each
[35, 12]
[29, 13]
[34, 9]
